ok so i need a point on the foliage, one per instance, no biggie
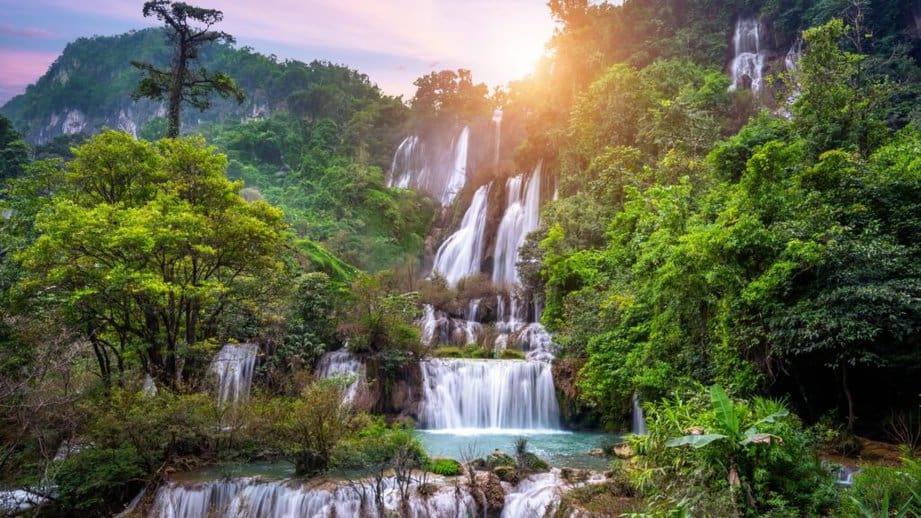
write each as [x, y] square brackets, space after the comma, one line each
[445, 467]
[14, 152]
[94, 480]
[885, 491]
[745, 458]
[312, 425]
[143, 247]
[182, 82]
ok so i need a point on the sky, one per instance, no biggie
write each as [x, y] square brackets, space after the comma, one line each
[392, 41]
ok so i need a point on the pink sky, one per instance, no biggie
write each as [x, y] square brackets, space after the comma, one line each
[393, 41]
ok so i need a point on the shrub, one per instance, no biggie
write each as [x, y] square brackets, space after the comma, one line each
[726, 457]
[96, 479]
[881, 490]
[445, 467]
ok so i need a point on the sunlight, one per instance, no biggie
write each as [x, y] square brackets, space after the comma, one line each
[521, 52]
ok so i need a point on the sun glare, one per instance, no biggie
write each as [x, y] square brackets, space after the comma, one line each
[522, 51]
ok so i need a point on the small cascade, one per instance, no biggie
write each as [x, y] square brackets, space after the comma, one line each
[747, 66]
[343, 363]
[150, 387]
[791, 63]
[439, 171]
[460, 255]
[639, 419]
[497, 120]
[473, 328]
[460, 394]
[255, 498]
[234, 366]
[522, 216]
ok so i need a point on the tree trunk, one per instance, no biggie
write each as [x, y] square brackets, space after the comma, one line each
[850, 398]
[175, 89]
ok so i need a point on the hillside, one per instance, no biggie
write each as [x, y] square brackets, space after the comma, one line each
[89, 87]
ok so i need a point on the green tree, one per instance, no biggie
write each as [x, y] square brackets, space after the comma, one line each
[182, 83]
[14, 152]
[144, 247]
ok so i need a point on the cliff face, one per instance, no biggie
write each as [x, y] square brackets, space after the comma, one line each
[88, 87]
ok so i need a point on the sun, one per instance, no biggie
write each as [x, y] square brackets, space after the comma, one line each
[522, 51]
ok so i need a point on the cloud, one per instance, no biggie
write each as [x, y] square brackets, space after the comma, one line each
[30, 33]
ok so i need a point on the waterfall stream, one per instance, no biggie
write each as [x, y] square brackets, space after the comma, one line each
[439, 171]
[461, 395]
[343, 363]
[522, 216]
[234, 366]
[460, 255]
[747, 66]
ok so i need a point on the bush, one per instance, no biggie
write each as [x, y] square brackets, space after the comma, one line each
[881, 490]
[445, 467]
[97, 480]
[726, 457]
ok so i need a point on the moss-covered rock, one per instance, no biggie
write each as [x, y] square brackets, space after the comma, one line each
[507, 474]
[498, 458]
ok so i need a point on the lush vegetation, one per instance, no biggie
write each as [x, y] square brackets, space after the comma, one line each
[761, 244]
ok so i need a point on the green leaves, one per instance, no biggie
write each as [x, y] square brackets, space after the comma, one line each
[724, 410]
[695, 441]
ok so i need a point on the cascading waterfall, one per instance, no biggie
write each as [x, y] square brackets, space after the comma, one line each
[522, 216]
[343, 363]
[460, 394]
[255, 498]
[748, 59]
[403, 169]
[439, 172]
[460, 255]
[234, 366]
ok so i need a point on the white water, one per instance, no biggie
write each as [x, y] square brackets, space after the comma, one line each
[748, 58]
[639, 419]
[439, 172]
[462, 394]
[522, 216]
[250, 497]
[17, 501]
[234, 366]
[460, 255]
[343, 363]
[150, 386]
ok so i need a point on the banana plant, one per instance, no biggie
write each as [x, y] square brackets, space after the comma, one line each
[729, 434]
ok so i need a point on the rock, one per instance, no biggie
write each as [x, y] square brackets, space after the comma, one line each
[623, 450]
[598, 452]
[507, 474]
[573, 475]
[494, 493]
[499, 458]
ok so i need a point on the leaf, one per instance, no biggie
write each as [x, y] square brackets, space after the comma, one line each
[724, 409]
[773, 417]
[695, 441]
[762, 438]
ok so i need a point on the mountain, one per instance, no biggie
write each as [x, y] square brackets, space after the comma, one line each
[89, 85]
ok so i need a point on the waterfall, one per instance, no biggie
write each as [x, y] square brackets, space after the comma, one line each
[402, 169]
[460, 255]
[463, 394]
[497, 119]
[639, 419]
[458, 176]
[255, 498]
[234, 366]
[150, 386]
[748, 58]
[439, 171]
[343, 363]
[522, 216]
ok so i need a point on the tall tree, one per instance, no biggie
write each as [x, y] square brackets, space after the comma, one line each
[182, 83]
